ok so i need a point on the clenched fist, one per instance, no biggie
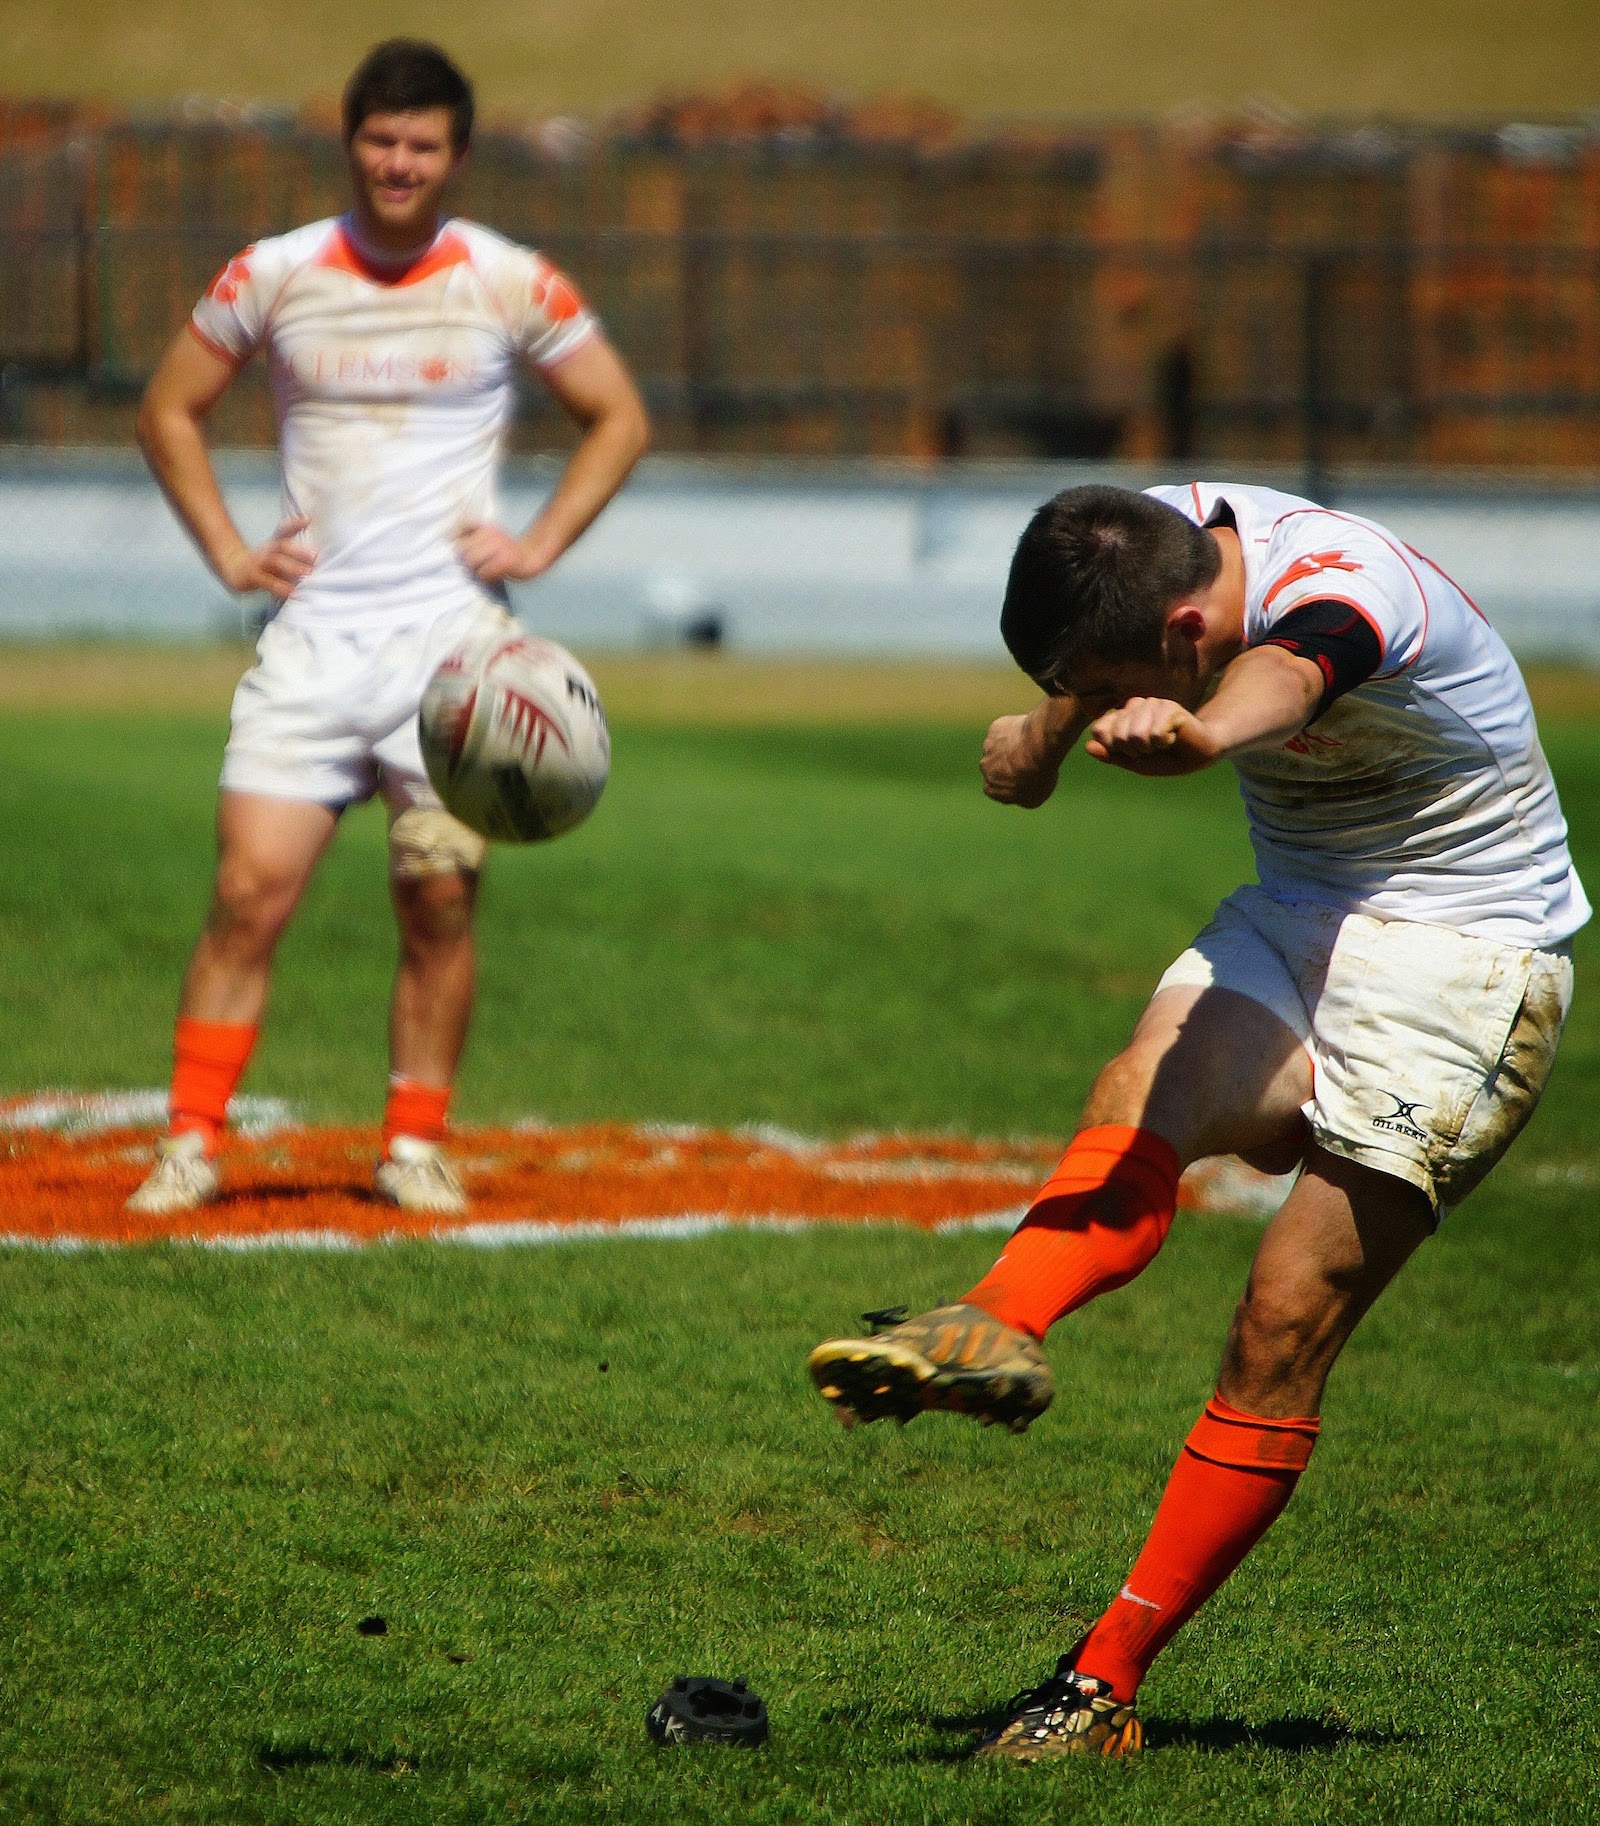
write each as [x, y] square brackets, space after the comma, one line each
[1152, 735]
[1020, 763]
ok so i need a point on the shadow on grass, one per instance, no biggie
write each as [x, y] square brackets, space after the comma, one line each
[1293, 1736]
[1297, 1736]
[293, 1758]
[291, 1194]
[284, 1759]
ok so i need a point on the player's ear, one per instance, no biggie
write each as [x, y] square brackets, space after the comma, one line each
[1185, 626]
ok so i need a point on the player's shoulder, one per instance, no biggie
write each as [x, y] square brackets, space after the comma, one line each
[491, 252]
[1319, 554]
[535, 300]
[258, 272]
[282, 254]
[236, 308]
[1342, 544]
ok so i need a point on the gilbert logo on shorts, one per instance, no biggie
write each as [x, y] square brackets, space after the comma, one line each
[1401, 1120]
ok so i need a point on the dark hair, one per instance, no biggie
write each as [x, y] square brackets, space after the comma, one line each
[1096, 572]
[403, 75]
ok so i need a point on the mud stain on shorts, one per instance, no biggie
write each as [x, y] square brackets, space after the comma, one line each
[1512, 1091]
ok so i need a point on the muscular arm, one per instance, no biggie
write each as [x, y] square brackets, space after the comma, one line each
[1022, 755]
[189, 380]
[597, 393]
[1264, 697]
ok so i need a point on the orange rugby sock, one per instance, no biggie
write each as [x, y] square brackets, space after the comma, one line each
[418, 1110]
[209, 1058]
[1099, 1220]
[1231, 1483]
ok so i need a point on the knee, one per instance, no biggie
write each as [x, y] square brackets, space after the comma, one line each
[1122, 1089]
[1278, 1339]
[435, 911]
[250, 904]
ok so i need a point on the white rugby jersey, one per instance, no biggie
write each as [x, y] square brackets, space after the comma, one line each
[1423, 793]
[393, 389]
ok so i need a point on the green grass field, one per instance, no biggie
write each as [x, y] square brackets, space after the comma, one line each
[563, 1475]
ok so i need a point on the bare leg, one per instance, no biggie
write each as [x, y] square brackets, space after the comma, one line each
[266, 851]
[434, 982]
[1341, 1237]
[1213, 1072]
[1344, 1233]
[1208, 1071]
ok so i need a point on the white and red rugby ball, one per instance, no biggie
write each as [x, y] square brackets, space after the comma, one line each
[514, 738]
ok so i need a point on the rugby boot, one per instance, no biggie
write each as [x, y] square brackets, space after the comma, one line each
[184, 1178]
[417, 1177]
[958, 1358]
[1070, 1714]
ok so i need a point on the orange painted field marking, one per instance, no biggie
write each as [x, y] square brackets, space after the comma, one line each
[63, 1180]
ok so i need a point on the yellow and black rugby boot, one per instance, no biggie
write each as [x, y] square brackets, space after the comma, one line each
[1070, 1714]
[957, 1358]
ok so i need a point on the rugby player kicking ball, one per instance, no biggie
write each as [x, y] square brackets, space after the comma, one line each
[393, 335]
[1381, 1011]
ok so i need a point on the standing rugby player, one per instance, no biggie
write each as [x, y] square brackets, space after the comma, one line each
[393, 335]
[1381, 1011]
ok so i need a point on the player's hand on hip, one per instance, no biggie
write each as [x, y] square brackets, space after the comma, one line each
[1017, 768]
[277, 567]
[1152, 735]
[493, 556]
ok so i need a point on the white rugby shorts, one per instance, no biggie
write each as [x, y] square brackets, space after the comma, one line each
[1429, 1048]
[329, 714]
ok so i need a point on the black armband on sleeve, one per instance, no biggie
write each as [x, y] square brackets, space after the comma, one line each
[1343, 645]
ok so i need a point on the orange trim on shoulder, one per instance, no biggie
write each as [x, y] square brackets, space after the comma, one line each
[216, 348]
[342, 253]
[1199, 508]
[1310, 566]
[1398, 547]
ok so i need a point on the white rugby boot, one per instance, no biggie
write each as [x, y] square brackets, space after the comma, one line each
[417, 1177]
[184, 1178]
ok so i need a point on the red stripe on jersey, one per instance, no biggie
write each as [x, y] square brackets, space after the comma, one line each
[1442, 572]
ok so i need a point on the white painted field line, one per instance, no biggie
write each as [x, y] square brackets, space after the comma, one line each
[530, 1233]
[87, 1112]
[93, 1112]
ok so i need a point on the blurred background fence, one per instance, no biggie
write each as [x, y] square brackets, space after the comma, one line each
[788, 277]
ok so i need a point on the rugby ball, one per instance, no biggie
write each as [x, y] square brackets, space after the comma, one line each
[514, 738]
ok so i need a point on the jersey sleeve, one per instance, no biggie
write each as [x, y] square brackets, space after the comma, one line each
[1324, 558]
[553, 321]
[231, 319]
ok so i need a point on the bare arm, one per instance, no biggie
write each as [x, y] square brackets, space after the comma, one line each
[1265, 696]
[1022, 755]
[187, 383]
[597, 392]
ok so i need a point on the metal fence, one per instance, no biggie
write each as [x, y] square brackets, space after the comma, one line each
[1435, 306]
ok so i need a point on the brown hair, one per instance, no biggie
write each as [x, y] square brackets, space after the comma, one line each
[403, 75]
[1096, 572]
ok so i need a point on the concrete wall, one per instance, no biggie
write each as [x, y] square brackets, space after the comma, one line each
[818, 561]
